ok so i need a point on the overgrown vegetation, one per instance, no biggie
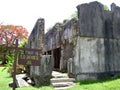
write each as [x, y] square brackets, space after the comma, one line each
[106, 8]
[74, 15]
[8, 35]
[10, 60]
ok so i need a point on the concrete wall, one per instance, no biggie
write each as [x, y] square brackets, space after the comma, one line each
[97, 51]
[87, 48]
[63, 36]
[41, 74]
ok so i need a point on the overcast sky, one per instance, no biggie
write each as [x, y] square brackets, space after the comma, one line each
[26, 12]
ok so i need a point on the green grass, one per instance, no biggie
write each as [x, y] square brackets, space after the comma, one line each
[106, 84]
[5, 79]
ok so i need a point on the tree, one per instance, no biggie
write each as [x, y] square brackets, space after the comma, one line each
[74, 15]
[106, 8]
[8, 35]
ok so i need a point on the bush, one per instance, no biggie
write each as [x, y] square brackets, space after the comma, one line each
[10, 63]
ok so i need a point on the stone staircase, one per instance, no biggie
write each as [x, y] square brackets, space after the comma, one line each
[61, 81]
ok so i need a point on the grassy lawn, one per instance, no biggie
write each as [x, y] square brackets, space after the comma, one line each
[5, 79]
[107, 84]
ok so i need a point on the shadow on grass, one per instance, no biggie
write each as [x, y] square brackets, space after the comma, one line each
[85, 82]
[42, 85]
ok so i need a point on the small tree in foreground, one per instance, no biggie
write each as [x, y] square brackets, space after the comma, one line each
[8, 35]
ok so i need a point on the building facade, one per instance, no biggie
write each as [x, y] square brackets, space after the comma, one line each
[87, 47]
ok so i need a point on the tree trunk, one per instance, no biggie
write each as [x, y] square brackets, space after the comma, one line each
[4, 59]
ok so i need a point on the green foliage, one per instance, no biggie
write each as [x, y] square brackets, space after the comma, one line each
[106, 8]
[0, 59]
[2, 49]
[74, 15]
[23, 43]
[10, 58]
[10, 62]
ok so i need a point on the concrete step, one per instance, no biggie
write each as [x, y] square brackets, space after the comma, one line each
[55, 80]
[22, 83]
[58, 74]
[61, 81]
[62, 84]
[63, 88]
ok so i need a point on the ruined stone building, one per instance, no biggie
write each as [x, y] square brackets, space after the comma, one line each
[87, 47]
[60, 40]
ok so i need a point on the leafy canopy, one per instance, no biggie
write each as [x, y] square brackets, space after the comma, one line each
[9, 33]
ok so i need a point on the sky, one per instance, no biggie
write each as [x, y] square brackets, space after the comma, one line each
[26, 12]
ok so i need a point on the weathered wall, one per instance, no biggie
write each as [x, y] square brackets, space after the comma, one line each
[36, 38]
[68, 39]
[86, 48]
[97, 51]
[63, 36]
[41, 74]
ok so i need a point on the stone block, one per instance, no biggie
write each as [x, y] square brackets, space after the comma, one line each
[108, 24]
[91, 19]
[89, 57]
[42, 73]
[113, 55]
[116, 22]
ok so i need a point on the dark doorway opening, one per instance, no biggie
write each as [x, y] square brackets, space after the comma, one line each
[57, 55]
[47, 53]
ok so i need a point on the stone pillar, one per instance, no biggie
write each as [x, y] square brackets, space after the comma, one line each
[91, 19]
[61, 59]
[115, 42]
[90, 50]
[41, 33]
[41, 74]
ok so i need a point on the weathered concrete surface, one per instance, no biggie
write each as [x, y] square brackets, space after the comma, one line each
[87, 47]
[36, 37]
[20, 82]
[61, 81]
[91, 19]
[59, 33]
[97, 51]
[95, 56]
[116, 21]
[42, 74]
[94, 21]
[112, 55]
[89, 56]
[63, 36]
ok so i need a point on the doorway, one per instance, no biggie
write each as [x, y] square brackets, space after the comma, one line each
[57, 55]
